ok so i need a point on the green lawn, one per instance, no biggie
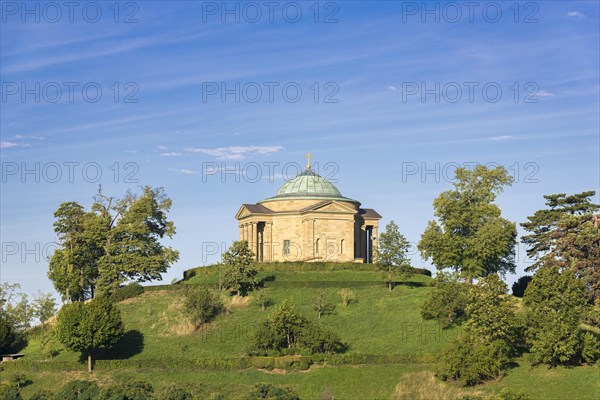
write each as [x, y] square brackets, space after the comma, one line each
[379, 322]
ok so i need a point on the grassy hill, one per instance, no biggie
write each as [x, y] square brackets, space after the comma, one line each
[391, 349]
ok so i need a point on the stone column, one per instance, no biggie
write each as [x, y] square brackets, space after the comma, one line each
[375, 242]
[253, 238]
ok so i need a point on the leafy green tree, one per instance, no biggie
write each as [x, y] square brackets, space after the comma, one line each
[202, 305]
[447, 302]
[118, 240]
[7, 332]
[79, 390]
[321, 305]
[73, 268]
[391, 254]
[285, 328]
[491, 336]
[591, 347]
[240, 273]
[15, 306]
[518, 288]
[491, 313]
[87, 327]
[542, 226]
[282, 327]
[555, 301]
[470, 235]
[44, 306]
[10, 392]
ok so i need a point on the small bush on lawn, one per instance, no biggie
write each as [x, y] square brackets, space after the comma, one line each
[130, 389]
[470, 362]
[202, 305]
[78, 390]
[271, 392]
[173, 393]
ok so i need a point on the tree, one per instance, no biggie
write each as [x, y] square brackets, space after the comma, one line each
[116, 241]
[271, 392]
[7, 332]
[391, 254]
[240, 273]
[320, 304]
[447, 301]
[555, 301]
[519, 287]
[15, 307]
[490, 339]
[73, 268]
[202, 305]
[44, 307]
[470, 236]
[543, 224]
[263, 300]
[491, 313]
[87, 327]
[79, 390]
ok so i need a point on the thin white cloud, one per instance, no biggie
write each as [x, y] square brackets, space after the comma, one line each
[183, 171]
[8, 145]
[392, 88]
[19, 137]
[234, 152]
[161, 147]
[543, 93]
[576, 15]
[501, 138]
[171, 154]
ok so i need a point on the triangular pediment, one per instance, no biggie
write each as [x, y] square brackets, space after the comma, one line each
[330, 206]
[247, 210]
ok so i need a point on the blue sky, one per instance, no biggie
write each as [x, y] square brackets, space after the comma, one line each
[380, 109]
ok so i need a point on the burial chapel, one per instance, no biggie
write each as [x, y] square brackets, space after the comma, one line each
[309, 220]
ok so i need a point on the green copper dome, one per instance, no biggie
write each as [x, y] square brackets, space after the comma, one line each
[309, 185]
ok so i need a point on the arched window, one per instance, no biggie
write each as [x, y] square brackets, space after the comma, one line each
[317, 246]
[342, 247]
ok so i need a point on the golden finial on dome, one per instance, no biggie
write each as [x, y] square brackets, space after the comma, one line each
[308, 164]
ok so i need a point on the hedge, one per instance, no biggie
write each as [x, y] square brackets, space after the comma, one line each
[297, 266]
[292, 362]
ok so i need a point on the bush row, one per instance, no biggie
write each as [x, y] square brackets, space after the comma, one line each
[297, 266]
[291, 362]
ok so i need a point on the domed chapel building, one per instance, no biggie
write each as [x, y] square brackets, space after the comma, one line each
[309, 220]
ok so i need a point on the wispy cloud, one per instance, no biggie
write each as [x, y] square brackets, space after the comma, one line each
[183, 171]
[161, 147]
[392, 88]
[235, 152]
[543, 93]
[171, 154]
[576, 15]
[8, 145]
[500, 138]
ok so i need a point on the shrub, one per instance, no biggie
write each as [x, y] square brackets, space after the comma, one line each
[42, 395]
[202, 305]
[130, 389]
[173, 393]
[10, 392]
[134, 289]
[591, 348]
[78, 390]
[263, 300]
[271, 392]
[555, 303]
[518, 288]
[447, 302]
[470, 362]
[507, 394]
[347, 296]
[286, 330]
